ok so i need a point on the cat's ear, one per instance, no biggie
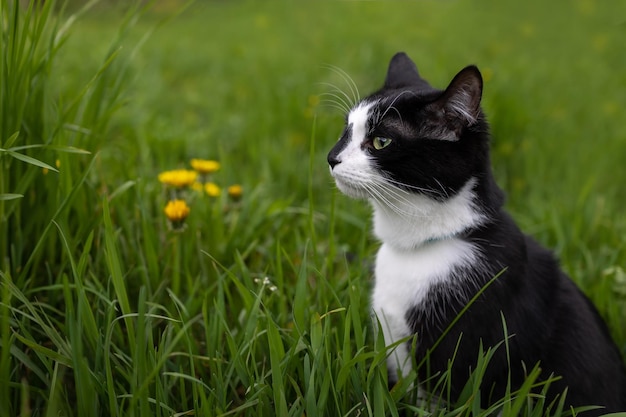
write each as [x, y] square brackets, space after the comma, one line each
[402, 73]
[461, 100]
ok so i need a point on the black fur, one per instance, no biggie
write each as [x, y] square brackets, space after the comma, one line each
[549, 319]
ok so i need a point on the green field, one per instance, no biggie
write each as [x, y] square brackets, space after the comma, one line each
[258, 305]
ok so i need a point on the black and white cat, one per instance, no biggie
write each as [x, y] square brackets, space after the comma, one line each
[421, 157]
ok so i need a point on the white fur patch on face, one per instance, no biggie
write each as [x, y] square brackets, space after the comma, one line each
[358, 118]
[401, 218]
[403, 280]
[354, 174]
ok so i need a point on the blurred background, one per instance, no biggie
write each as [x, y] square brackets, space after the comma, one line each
[111, 94]
[245, 82]
[235, 77]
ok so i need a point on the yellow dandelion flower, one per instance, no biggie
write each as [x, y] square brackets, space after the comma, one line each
[235, 192]
[176, 211]
[178, 177]
[212, 189]
[205, 166]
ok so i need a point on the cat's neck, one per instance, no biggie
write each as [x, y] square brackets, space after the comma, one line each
[417, 220]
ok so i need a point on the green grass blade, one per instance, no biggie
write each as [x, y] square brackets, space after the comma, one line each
[114, 264]
[10, 196]
[30, 160]
[277, 353]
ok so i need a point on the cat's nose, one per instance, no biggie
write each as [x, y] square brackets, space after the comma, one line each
[332, 160]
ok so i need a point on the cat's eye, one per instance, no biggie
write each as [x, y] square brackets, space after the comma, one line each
[380, 142]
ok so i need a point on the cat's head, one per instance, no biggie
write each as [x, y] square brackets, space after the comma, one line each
[412, 137]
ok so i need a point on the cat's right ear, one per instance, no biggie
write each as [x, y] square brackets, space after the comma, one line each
[403, 73]
[459, 105]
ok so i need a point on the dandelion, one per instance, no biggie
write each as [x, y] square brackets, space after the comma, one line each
[176, 212]
[212, 189]
[235, 192]
[205, 166]
[178, 178]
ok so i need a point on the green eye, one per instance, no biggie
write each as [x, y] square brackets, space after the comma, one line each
[380, 143]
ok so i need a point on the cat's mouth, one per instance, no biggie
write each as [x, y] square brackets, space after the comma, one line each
[350, 189]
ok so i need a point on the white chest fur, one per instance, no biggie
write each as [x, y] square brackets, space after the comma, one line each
[403, 279]
[409, 221]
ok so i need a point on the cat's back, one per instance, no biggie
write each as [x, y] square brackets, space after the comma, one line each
[552, 322]
[577, 344]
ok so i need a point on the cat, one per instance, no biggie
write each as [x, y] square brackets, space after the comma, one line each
[421, 157]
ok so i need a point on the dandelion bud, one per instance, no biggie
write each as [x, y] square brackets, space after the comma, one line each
[235, 192]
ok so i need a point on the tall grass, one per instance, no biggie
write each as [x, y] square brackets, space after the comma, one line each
[49, 142]
[259, 306]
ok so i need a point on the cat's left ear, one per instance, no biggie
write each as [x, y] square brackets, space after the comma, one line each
[460, 103]
[402, 73]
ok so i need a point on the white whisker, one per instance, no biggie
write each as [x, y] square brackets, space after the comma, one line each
[397, 199]
[391, 106]
[334, 105]
[406, 187]
[338, 95]
[354, 90]
[445, 192]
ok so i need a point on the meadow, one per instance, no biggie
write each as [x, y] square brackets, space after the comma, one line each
[256, 302]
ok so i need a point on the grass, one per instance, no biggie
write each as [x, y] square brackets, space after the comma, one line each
[259, 306]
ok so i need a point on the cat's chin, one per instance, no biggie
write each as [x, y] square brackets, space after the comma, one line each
[351, 191]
